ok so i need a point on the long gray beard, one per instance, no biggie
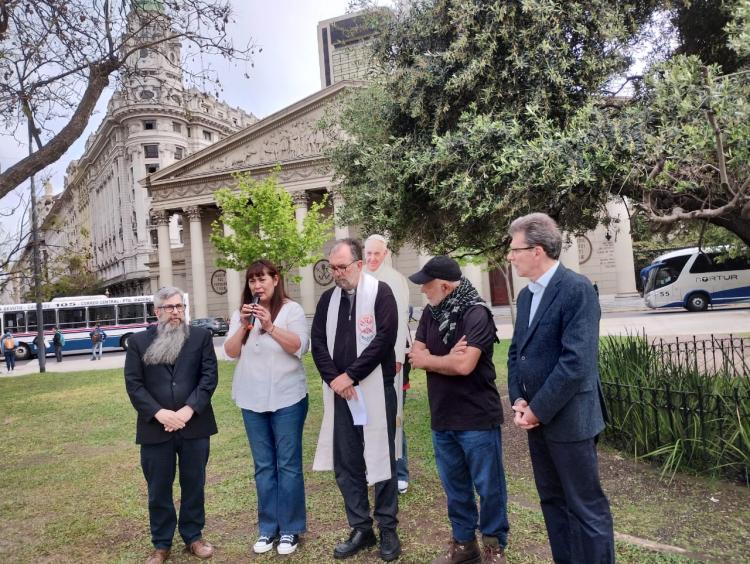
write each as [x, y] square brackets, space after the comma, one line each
[167, 345]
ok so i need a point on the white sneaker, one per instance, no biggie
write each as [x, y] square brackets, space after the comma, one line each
[288, 544]
[403, 485]
[263, 544]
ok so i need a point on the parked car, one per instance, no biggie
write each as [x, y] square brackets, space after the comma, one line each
[217, 325]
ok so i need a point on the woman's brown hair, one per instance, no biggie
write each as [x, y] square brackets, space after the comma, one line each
[255, 270]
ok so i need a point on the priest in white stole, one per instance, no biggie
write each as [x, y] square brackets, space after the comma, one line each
[353, 337]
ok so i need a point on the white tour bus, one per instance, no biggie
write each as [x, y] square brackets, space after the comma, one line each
[76, 317]
[694, 278]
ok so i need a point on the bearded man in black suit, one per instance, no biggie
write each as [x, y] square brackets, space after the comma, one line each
[170, 376]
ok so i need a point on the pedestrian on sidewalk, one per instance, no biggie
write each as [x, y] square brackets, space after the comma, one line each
[9, 345]
[57, 342]
[97, 342]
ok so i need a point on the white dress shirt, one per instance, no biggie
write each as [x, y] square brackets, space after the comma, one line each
[266, 377]
[537, 289]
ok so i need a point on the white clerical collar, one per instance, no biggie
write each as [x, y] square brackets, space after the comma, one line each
[543, 281]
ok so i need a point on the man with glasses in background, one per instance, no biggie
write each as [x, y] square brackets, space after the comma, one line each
[170, 376]
[353, 337]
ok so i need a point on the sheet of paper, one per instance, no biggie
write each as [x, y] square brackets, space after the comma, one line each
[357, 407]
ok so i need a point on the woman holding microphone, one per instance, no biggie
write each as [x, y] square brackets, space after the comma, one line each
[269, 336]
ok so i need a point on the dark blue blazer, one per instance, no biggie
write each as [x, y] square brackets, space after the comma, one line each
[191, 381]
[553, 364]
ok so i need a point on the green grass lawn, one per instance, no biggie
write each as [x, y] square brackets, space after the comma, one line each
[72, 489]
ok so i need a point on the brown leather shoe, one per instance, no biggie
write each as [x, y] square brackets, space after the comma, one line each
[201, 549]
[460, 553]
[158, 556]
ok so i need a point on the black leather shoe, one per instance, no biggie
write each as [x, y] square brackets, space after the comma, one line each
[357, 541]
[390, 545]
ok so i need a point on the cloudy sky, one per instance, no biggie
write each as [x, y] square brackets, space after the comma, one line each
[284, 72]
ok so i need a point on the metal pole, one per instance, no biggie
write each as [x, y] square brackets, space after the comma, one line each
[41, 349]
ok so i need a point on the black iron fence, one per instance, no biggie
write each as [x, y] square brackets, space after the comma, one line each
[723, 353]
[682, 402]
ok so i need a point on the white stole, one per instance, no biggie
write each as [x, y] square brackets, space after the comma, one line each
[376, 448]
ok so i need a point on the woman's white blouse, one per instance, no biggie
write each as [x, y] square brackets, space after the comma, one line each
[266, 378]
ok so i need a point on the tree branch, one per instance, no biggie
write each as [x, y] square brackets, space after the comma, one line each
[56, 147]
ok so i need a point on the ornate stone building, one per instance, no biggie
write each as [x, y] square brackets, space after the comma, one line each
[289, 139]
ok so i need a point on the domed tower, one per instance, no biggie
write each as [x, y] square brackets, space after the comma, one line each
[152, 73]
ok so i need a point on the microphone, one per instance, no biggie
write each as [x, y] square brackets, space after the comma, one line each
[251, 319]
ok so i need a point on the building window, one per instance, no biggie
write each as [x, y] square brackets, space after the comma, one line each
[189, 132]
[151, 169]
[146, 94]
[151, 151]
[154, 238]
[207, 135]
[176, 127]
[149, 124]
[220, 115]
[144, 53]
[179, 153]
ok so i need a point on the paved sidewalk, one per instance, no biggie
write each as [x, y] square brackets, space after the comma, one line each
[79, 362]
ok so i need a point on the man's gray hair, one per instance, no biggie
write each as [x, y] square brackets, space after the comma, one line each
[166, 292]
[541, 230]
[377, 237]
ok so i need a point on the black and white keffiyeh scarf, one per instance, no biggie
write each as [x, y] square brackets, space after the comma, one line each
[449, 311]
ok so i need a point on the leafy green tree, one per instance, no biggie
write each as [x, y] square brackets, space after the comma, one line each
[485, 111]
[467, 126]
[261, 216]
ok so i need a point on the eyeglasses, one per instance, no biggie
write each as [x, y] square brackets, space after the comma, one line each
[334, 269]
[172, 307]
[513, 251]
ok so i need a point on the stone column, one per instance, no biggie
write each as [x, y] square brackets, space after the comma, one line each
[623, 248]
[198, 263]
[569, 254]
[338, 203]
[234, 282]
[161, 219]
[422, 259]
[473, 273]
[307, 283]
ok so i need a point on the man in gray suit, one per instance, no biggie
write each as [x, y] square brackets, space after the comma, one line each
[553, 383]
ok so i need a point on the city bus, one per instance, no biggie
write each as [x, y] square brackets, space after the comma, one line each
[76, 317]
[696, 278]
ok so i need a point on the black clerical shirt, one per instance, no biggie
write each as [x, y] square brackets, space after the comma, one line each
[379, 351]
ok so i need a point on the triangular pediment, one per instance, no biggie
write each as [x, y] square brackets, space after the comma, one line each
[290, 135]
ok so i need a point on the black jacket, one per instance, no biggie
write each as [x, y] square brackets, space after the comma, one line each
[191, 381]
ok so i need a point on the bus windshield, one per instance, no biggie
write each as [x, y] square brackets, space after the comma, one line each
[666, 272]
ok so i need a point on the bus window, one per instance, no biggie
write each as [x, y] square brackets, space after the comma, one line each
[150, 313]
[130, 313]
[50, 320]
[15, 321]
[702, 264]
[71, 318]
[103, 315]
[726, 264]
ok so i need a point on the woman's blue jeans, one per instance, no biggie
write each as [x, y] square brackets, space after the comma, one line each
[275, 439]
